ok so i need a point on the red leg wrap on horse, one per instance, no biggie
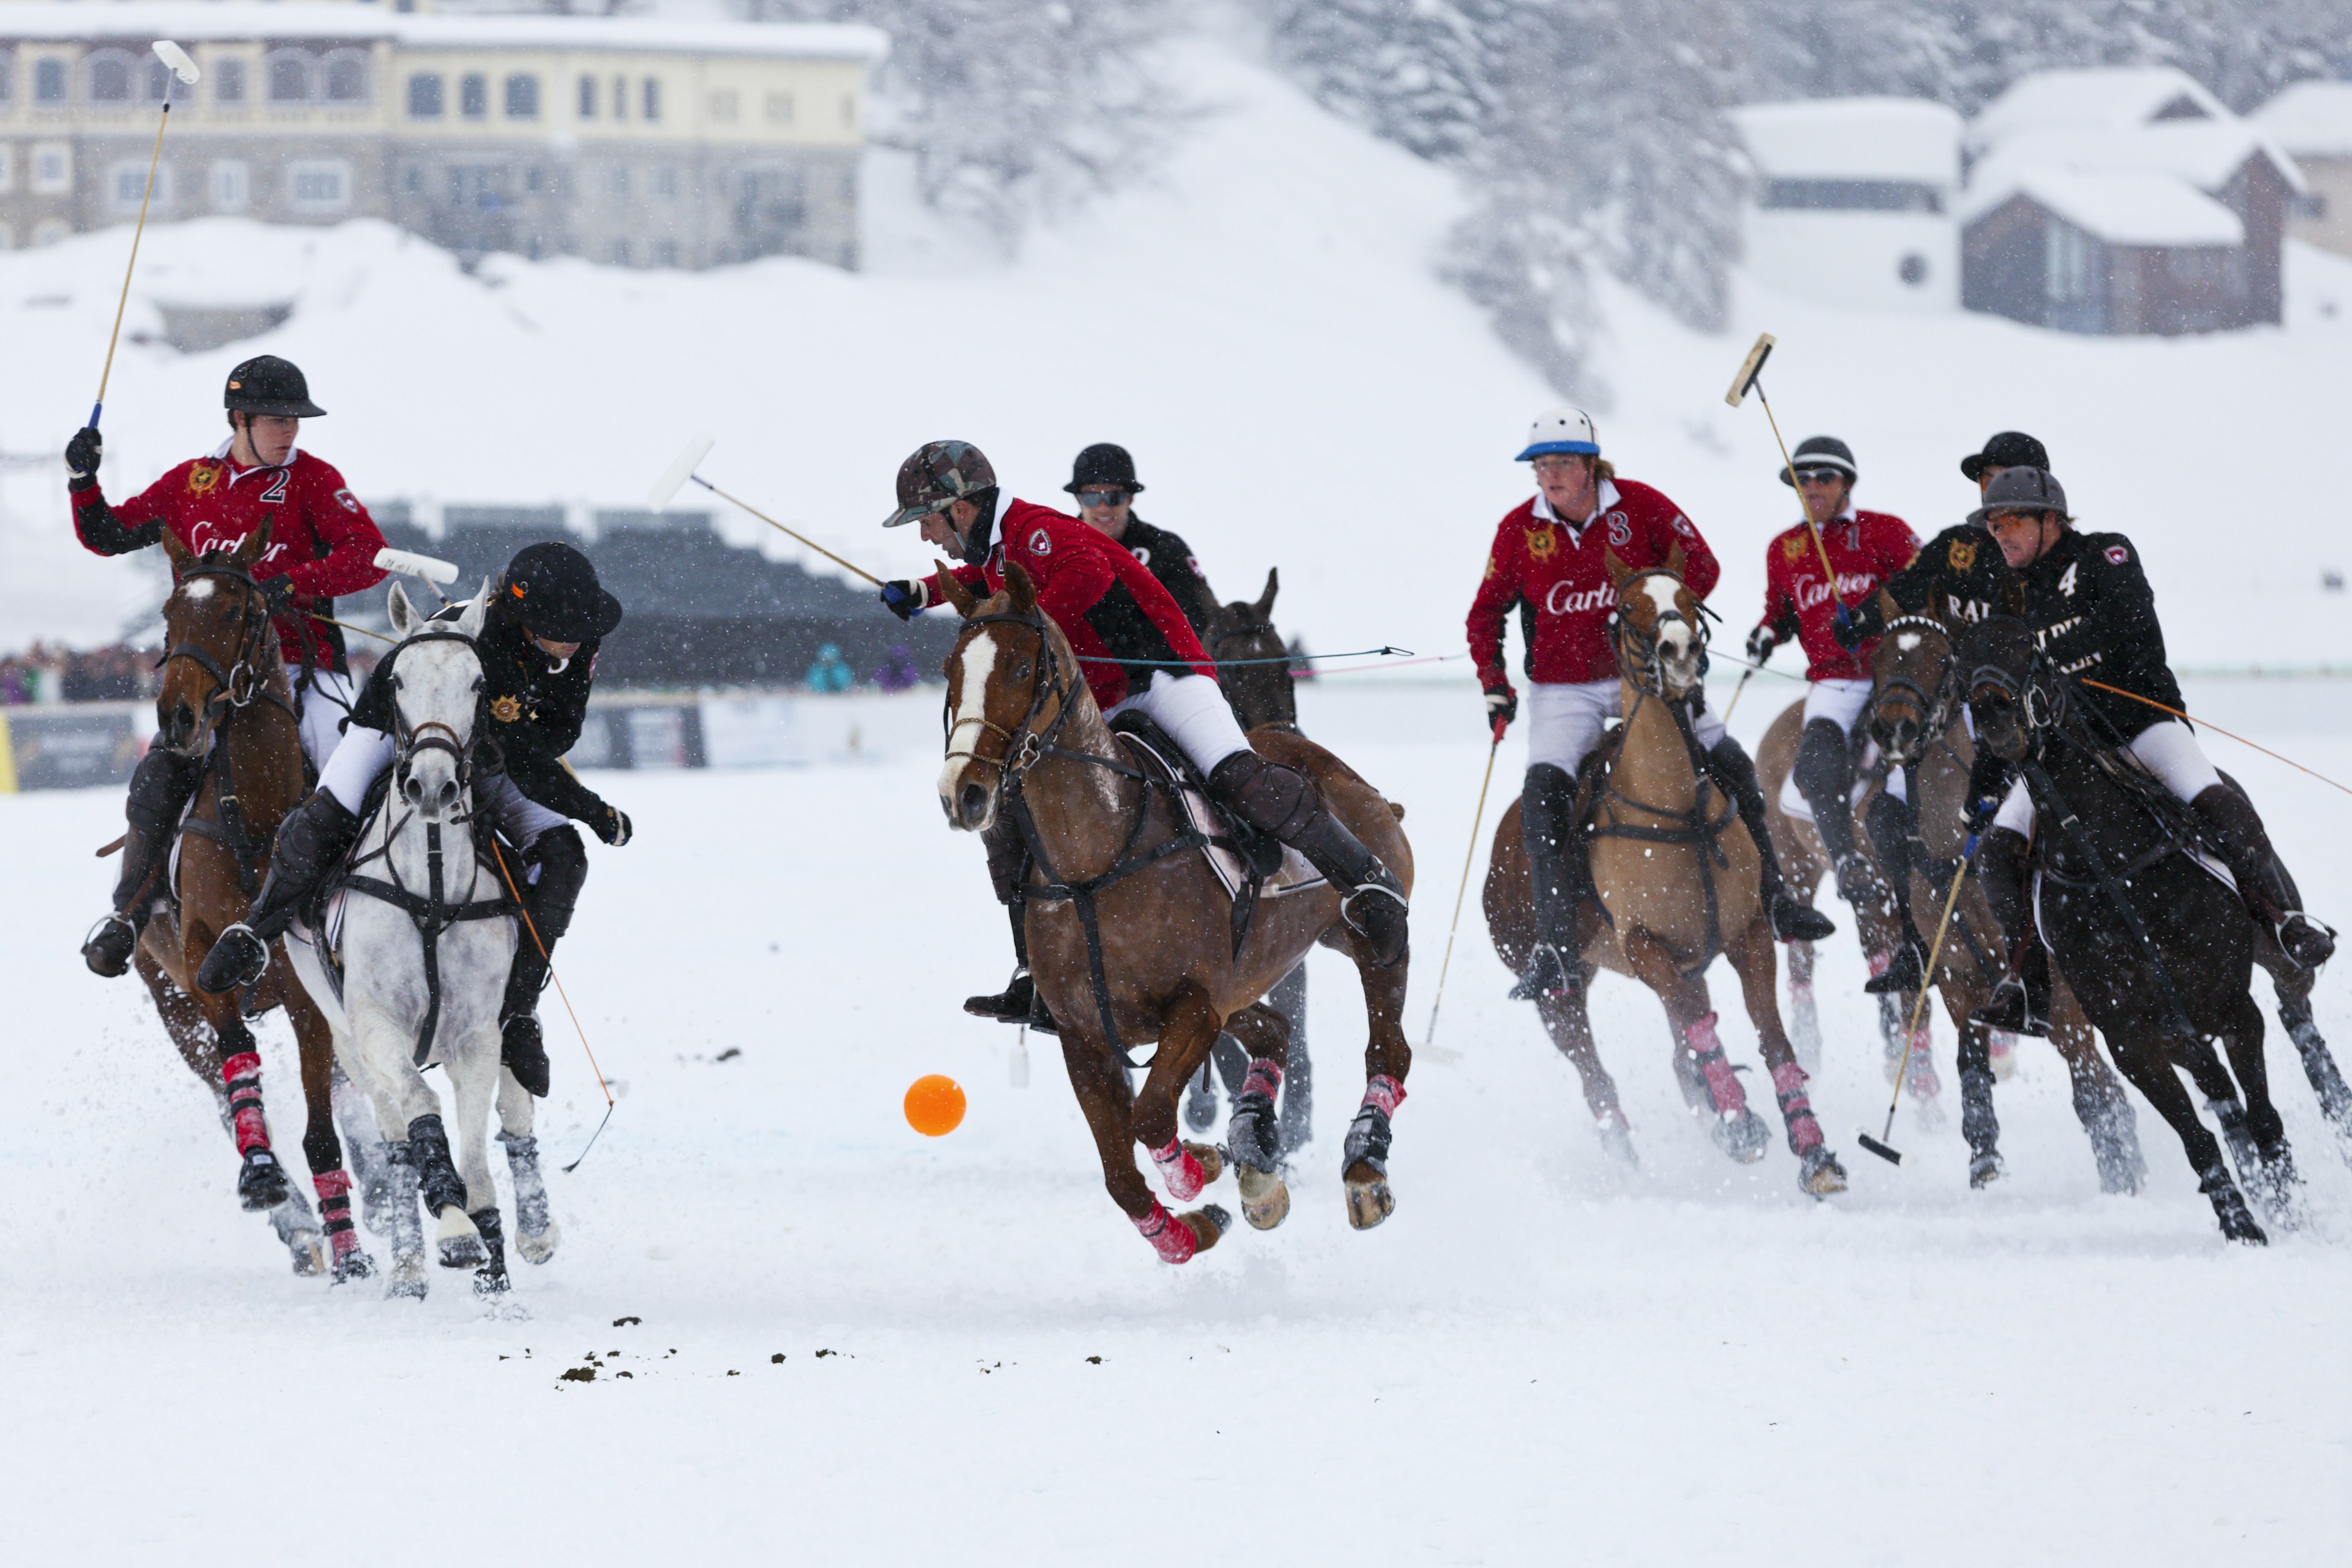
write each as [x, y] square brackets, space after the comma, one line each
[1170, 1236]
[1180, 1170]
[1263, 1078]
[335, 1209]
[242, 1074]
[1723, 1085]
[1796, 1108]
[1385, 1092]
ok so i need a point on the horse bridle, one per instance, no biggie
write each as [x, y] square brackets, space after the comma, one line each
[243, 681]
[1623, 632]
[409, 740]
[2039, 702]
[1936, 707]
[1025, 746]
[1216, 649]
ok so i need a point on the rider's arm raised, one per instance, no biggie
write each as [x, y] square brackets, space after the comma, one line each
[137, 523]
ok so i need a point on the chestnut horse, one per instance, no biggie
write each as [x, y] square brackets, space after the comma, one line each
[225, 698]
[1130, 933]
[1676, 874]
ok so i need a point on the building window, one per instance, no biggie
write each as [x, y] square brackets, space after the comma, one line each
[158, 77]
[413, 178]
[108, 77]
[228, 81]
[779, 108]
[617, 179]
[289, 76]
[232, 186]
[523, 96]
[587, 98]
[49, 81]
[424, 96]
[347, 77]
[2066, 258]
[530, 179]
[52, 164]
[665, 180]
[849, 109]
[666, 253]
[7, 168]
[7, 77]
[319, 186]
[653, 97]
[474, 96]
[1850, 196]
[126, 186]
[723, 107]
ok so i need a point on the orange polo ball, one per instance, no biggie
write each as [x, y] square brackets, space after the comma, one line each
[935, 1105]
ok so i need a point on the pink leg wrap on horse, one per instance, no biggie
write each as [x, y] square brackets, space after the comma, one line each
[1170, 1236]
[1796, 1110]
[242, 1073]
[1722, 1084]
[1180, 1170]
[1880, 962]
[1263, 1078]
[335, 1209]
[1385, 1092]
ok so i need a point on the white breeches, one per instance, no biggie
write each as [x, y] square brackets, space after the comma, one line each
[326, 701]
[361, 760]
[2168, 750]
[1193, 710]
[1843, 703]
[1564, 721]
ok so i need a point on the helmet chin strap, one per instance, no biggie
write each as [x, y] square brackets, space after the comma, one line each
[978, 541]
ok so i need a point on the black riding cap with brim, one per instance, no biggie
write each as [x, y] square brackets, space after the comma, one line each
[2022, 489]
[553, 588]
[1104, 464]
[2009, 449]
[1821, 452]
[267, 385]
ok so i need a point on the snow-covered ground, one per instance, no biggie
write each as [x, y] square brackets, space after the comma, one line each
[1539, 1358]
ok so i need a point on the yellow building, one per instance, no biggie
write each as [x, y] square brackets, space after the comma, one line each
[630, 141]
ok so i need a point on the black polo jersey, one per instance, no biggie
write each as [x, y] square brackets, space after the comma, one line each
[2094, 617]
[1166, 557]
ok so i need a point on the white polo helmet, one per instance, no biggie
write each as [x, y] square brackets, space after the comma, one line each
[1560, 430]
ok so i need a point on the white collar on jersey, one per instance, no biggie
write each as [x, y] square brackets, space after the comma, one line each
[1609, 498]
[220, 454]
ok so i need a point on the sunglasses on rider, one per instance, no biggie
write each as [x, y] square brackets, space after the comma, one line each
[1820, 476]
[1102, 497]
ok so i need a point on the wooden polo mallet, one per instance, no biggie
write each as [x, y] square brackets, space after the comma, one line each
[1751, 370]
[689, 458]
[1879, 1145]
[178, 67]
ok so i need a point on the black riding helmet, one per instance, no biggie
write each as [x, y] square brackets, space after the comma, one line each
[552, 589]
[1102, 464]
[1821, 452]
[267, 385]
[2007, 450]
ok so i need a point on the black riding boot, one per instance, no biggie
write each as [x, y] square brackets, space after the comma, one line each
[1018, 1003]
[2262, 881]
[1280, 800]
[1563, 875]
[310, 841]
[562, 862]
[2020, 1003]
[1792, 918]
[1889, 823]
[1823, 772]
[160, 787]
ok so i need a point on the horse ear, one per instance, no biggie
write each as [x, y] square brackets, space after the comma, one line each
[951, 587]
[252, 547]
[177, 554]
[1675, 561]
[1024, 591]
[1273, 587]
[405, 618]
[1887, 608]
[1617, 569]
[477, 613]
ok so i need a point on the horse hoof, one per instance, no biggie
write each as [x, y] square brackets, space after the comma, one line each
[489, 1282]
[310, 1251]
[1984, 1169]
[1208, 1225]
[1617, 1140]
[1369, 1198]
[538, 1248]
[1819, 1173]
[1742, 1135]
[261, 1182]
[407, 1281]
[460, 1244]
[1211, 1159]
[1199, 1109]
[1265, 1198]
[353, 1265]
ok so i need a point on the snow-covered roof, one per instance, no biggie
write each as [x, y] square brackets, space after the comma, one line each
[2136, 209]
[2098, 98]
[2310, 120]
[144, 22]
[1854, 139]
[2203, 153]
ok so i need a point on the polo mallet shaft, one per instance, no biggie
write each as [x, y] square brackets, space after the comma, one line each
[779, 528]
[180, 68]
[531, 926]
[1461, 893]
[1737, 691]
[690, 458]
[1750, 378]
[1879, 1145]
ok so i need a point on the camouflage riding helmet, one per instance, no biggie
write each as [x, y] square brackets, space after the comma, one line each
[944, 472]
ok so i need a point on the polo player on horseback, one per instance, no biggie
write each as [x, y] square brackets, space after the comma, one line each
[2091, 612]
[1139, 655]
[1865, 549]
[1102, 479]
[548, 616]
[1550, 559]
[322, 544]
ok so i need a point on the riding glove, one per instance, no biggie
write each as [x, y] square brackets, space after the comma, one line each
[1846, 629]
[612, 825]
[1502, 706]
[278, 593]
[1760, 642]
[905, 599]
[81, 457]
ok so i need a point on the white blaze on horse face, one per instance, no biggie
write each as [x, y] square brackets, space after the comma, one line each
[1906, 641]
[1676, 646]
[438, 684]
[201, 588]
[978, 661]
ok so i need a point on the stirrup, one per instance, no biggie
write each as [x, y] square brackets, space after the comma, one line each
[1546, 975]
[239, 958]
[2306, 942]
[1907, 970]
[1793, 919]
[1011, 1006]
[2012, 1009]
[108, 946]
[1384, 925]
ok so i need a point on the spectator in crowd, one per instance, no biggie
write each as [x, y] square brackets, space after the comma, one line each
[43, 674]
[898, 672]
[831, 672]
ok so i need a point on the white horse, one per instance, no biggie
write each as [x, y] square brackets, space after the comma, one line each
[426, 939]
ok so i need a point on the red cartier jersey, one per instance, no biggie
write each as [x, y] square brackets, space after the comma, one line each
[1866, 548]
[1558, 579]
[321, 538]
[1107, 602]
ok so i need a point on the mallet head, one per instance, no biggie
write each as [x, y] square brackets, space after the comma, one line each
[1749, 369]
[1887, 1151]
[430, 568]
[689, 458]
[172, 55]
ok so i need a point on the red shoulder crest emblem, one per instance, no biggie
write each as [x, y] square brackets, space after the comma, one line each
[2118, 555]
[1793, 548]
[1041, 543]
[1541, 542]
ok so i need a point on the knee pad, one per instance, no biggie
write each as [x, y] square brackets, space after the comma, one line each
[1730, 762]
[1889, 821]
[160, 786]
[562, 862]
[1824, 767]
[1270, 796]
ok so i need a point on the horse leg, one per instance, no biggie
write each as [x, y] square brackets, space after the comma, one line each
[404, 1100]
[1804, 1012]
[1364, 1158]
[2294, 988]
[1099, 1080]
[536, 1230]
[364, 1143]
[321, 1146]
[2100, 1103]
[1289, 999]
[1569, 1020]
[396, 1209]
[473, 1074]
[2204, 1065]
[1185, 1038]
[2275, 1183]
[261, 1182]
[1818, 1171]
[184, 1021]
[1251, 1134]
[1737, 1130]
[1978, 1124]
[2153, 1074]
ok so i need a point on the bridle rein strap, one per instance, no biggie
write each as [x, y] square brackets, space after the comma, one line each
[234, 689]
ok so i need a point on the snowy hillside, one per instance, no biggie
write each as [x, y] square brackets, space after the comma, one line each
[1264, 330]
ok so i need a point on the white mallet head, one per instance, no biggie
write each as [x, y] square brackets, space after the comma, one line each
[1749, 369]
[172, 55]
[689, 458]
[428, 567]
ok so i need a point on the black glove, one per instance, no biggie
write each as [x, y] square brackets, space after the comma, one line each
[1846, 627]
[905, 599]
[1761, 642]
[278, 593]
[1502, 706]
[81, 457]
[612, 825]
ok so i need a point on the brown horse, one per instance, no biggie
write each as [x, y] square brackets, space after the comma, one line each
[225, 698]
[1915, 716]
[1676, 873]
[1132, 935]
